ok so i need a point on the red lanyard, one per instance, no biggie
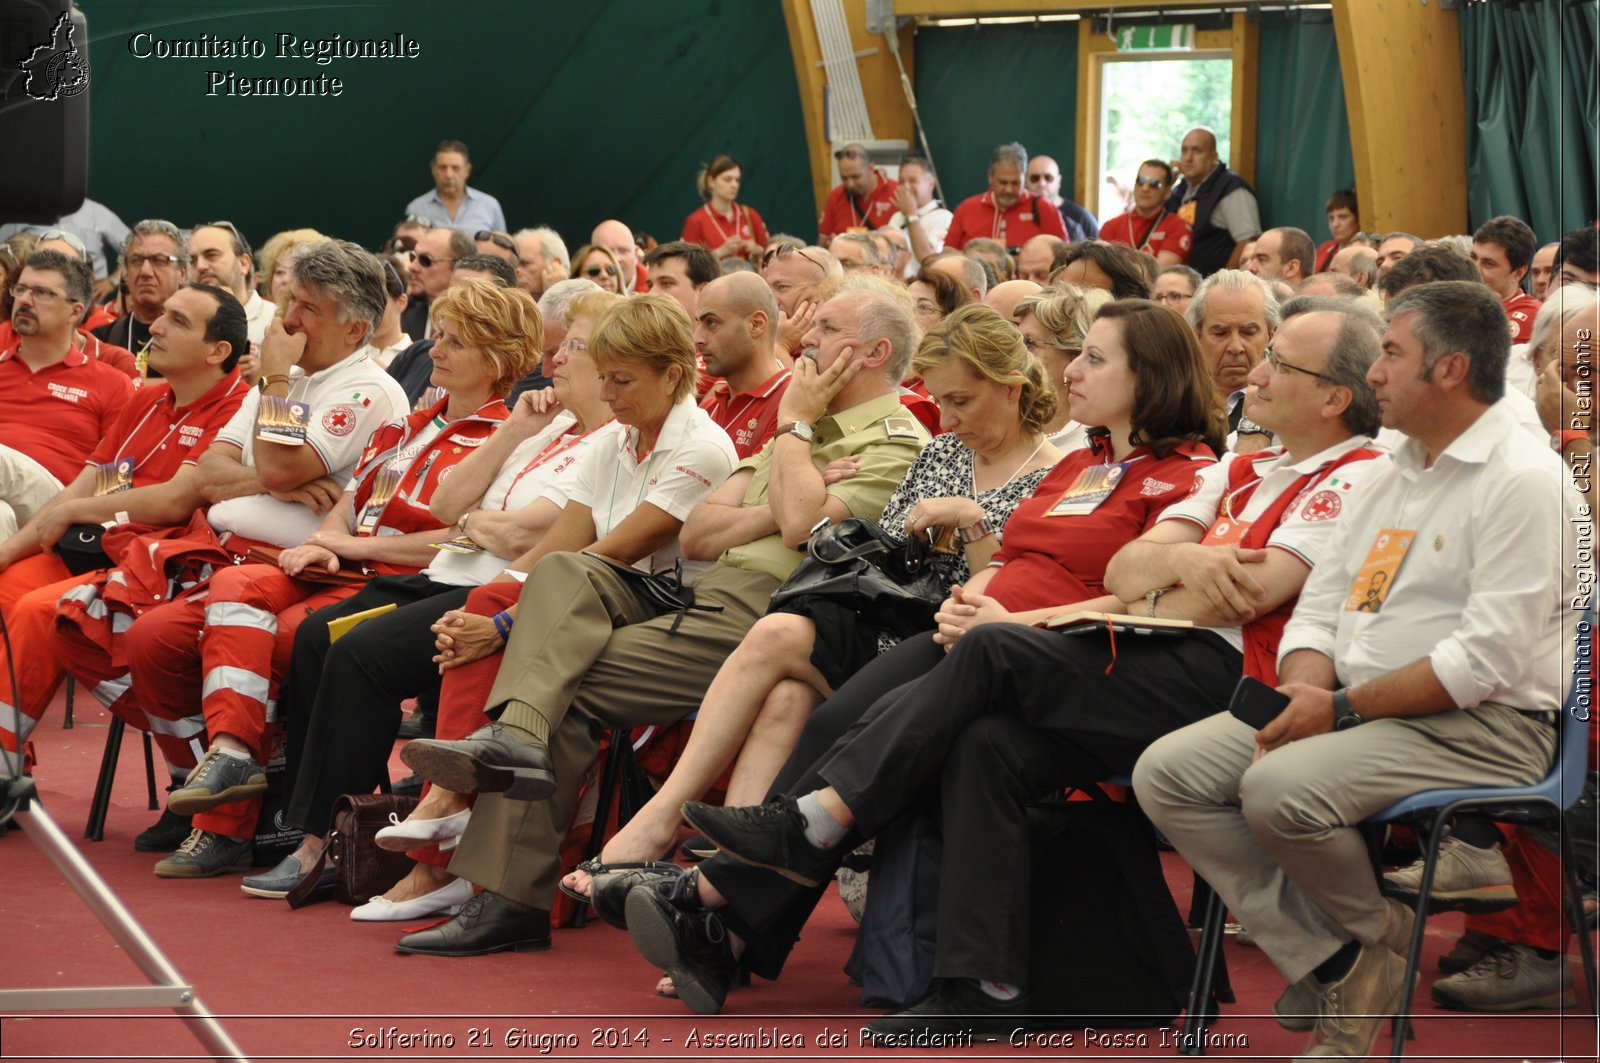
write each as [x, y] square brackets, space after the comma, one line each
[554, 449]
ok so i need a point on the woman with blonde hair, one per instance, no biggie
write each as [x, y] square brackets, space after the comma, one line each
[1053, 324]
[724, 226]
[277, 256]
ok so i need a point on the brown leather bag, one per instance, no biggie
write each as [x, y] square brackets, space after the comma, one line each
[362, 871]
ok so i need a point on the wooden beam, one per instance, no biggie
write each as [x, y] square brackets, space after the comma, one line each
[1401, 63]
[1245, 42]
[993, 8]
[887, 108]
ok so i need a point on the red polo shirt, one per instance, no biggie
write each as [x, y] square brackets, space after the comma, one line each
[1168, 233]
[749, 417]
[844, 213]
[162, 436]
[57, 415]
[1520, 311]
[978, 216]
[1059, 560]
[710, 230]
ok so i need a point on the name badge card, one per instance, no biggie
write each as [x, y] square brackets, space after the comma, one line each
[1370, 589]
[113, 476]
[383, 485]
[1092, 487]
[282, 420]
[461, 544]
[1226, 531]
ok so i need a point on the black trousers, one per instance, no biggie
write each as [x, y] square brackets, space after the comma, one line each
[343, 700]
[1008, 715]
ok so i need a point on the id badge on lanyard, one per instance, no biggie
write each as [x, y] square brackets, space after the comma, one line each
[1226, 532]
[1375, 579]
[113, 476]
[383, 487]
[1092, 487]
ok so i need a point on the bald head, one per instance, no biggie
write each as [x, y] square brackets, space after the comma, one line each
[1004, 297]
[1033, 261]
[742, 294]
[1197, 155]
[735, 328]
[618, 239]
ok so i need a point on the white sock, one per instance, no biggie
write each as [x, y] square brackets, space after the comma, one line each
[234, 753]
[822, 830]
[999, 990]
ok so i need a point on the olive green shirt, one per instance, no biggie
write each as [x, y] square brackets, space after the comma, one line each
[879, 432]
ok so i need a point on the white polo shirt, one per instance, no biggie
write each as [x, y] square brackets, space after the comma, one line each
[691, 458]
[1483, 590]
[349, 401]
[258, 315]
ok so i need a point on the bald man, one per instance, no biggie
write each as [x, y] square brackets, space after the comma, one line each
[1217, 203]
[1004, 297]
[1033, 261]
[618, 239]
[735, 327]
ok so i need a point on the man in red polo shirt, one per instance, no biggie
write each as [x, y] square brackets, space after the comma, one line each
[863, 201]
[734, 333]
[142, 472]
[1007, 212]
[1149, 226]
[1502, 249]
[59, 401]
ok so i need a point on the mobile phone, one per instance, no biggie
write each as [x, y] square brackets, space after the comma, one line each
[1255, 703]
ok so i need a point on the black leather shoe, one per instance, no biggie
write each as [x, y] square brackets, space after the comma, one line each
[772, 836]
[165, 835]
[487, 923]
[692, 947]
[952, 1006]
[489, 760]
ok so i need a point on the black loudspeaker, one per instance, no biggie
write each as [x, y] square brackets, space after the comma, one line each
[44, 109]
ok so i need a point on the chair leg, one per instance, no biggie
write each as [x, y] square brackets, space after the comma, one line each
[621, 750]
[72, 686]
[95, 829]
[1579, 924]
[1202, 1009]
[150, 773]
[1401, 1028]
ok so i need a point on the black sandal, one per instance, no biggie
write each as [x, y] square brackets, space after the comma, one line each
[609, 885]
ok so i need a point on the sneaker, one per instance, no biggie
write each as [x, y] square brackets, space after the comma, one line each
[1469, 948]
[1509, 977]
[163, 836]
[1296, 1007]
[204, 854]
[772, 836]
[1466, 879]
[1354, 1009]
[216, 780]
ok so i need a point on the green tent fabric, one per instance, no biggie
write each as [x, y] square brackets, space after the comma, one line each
[1533, 113]
[981, 86]
[1302, 130]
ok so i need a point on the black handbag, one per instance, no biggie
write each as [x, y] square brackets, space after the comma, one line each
[857, 565]
[80, 550]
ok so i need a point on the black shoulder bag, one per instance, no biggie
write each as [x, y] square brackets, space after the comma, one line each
[857, 565]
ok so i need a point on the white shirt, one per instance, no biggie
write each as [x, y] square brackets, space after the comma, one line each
[691, 458]
[1072, 436]
[349, 401]
[1484, 590]
[258, 315]
[518, 484]
[1517, 405]
[1305, 527]
[935, 226]
[1520, 374]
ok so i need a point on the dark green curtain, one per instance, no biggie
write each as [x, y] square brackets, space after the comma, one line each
[980, 86]
[573, 112]
[1533, 113]
[1302, 130]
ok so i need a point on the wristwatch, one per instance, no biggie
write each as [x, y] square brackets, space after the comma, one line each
[978, 529]
[1559, 440]
[798, 429]
[1344, 717]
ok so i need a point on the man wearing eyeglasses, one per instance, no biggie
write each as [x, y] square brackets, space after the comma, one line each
[436, 254]
[1149, 225]
[1007, 212]
[452, 203]
[863, 200]
[1044, 181]
[155, 260]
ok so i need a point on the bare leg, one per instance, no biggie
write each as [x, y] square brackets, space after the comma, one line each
[772, 738]
[420, 881]
[438, 803]
[777, 648]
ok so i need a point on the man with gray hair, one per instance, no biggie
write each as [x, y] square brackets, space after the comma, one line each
[856, 251]
[542, 259]
[602, 659]
[155, 261]
[1359, 263]
[1395, 685]
[1007, 212]
[968, 272]
[1235, 314]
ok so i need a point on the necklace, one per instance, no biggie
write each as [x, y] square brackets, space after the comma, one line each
[1014, 472]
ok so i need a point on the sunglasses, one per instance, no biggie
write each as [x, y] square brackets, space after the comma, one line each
[241, 245]
[1035, 178]
[596, 271]
[497, 239]
[1150, 182]
[426, 260]
[65, 237]
[785, 250]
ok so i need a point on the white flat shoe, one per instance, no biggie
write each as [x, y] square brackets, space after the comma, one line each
[403, 834]
[446, 899]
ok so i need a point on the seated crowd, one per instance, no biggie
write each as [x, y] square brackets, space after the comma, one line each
[255, 506]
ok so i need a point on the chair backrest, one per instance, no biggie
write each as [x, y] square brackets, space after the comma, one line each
[1572, 752]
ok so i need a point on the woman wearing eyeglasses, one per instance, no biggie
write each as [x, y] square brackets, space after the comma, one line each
[1053, 325]
[597, 263]
[723, 225]
[937, 295]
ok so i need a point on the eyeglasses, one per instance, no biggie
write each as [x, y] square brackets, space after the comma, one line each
[1278, 365]
[596, 271]
[1172, 297]
[785, 250]
[241, 246]
[1035, 178]
[138, 262]
[575, 346]
[426, 261]
[65, 237]
[40, 295]
[497, 239]
[1150, 182]
[1032, 345]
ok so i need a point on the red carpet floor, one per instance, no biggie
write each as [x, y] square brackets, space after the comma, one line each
[311, 985]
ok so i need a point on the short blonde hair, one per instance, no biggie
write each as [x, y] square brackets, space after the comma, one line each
[990, 348]
[1065, 311]
[502, 324]
[591, 304]
[649, 330]
[275, 248]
